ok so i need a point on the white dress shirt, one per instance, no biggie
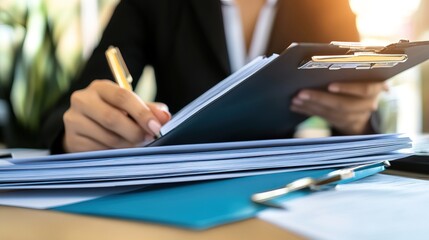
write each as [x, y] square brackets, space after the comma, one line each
[233, 26]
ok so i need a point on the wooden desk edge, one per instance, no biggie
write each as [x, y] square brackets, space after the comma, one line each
[31, 224]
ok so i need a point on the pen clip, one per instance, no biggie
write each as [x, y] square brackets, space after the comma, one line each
[326, 182]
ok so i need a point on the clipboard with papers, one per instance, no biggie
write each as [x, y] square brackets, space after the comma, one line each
[226, 112]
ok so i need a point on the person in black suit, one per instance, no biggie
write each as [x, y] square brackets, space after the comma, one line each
[185, 42]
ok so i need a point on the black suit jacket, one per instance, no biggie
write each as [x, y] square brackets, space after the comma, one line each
[184, 41]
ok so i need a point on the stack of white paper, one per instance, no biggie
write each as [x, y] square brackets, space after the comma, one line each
[194, 162]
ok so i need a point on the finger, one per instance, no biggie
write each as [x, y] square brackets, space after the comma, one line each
[147, 140]
[85, 127]
[358, 89]
[351, 123]
[313, 110]
[77, 143]
[160, 110]
[337, 102]
[72, 141]
[130, 103]
[161, 106]
[107, 116]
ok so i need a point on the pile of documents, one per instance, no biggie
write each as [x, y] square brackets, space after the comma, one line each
[183, 163]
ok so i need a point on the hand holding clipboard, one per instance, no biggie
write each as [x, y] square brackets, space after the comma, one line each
[282, 82]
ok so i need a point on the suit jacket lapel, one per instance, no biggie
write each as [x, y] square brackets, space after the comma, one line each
[278, 40]
[209, 16]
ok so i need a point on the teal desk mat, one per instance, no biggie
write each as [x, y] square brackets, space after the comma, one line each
[198, 205]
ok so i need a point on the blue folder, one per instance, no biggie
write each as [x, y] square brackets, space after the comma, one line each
[198, 205]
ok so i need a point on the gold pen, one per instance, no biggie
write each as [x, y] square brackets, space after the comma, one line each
[119, 69]
[124, 79]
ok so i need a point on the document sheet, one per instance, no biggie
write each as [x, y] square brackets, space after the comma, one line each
[377, 207]
[50, 198]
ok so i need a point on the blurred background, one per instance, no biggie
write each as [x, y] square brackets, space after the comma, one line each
[44, 43]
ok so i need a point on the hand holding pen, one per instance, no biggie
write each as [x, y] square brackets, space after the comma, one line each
[106, 115]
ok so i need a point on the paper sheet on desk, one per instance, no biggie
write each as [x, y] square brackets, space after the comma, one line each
[378, 207]
[49, 198]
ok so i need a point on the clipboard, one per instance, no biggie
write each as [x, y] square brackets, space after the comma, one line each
[231, 116]
[208, 204]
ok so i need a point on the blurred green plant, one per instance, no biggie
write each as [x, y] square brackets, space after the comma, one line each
[41, 51]
[36, 78]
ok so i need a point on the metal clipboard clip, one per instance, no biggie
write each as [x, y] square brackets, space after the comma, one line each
[360, 56]
[329, 181]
